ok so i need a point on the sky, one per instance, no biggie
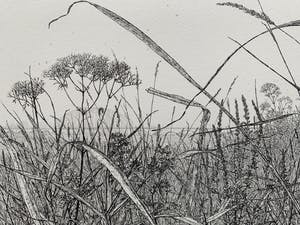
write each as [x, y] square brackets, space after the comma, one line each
[194, 32]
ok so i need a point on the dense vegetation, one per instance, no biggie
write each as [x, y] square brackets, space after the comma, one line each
[93, 171]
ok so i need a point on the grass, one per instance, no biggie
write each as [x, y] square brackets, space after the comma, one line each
[90, 171]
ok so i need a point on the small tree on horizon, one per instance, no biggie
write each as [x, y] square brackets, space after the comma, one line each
[275, 104]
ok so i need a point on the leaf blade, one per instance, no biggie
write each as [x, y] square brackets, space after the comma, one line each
[121, 178]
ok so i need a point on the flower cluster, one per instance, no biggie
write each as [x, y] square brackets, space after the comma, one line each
[159, 185]
[120, 151]
[161, 161]
[122, 74]
[92, 67]
[59, 72]
[27, 91]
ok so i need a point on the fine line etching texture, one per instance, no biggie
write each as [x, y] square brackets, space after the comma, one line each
[157, 112]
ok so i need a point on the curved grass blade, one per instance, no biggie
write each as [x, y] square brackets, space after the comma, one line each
[150, 43]
[181, 100]
[162, 53]
[191, 221]
[196, 152]
[121, 178]
[175, 98]
[138, 33]
[23, 186]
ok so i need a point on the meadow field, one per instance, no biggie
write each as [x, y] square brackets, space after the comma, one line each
[112, 165]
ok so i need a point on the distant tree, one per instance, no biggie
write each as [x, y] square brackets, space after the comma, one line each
[271, 91]
[276, 104]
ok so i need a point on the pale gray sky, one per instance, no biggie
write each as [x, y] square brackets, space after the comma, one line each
[193, 31]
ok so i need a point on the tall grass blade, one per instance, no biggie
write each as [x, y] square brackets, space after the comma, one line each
[138, 33]
[121, 178]
[191, 221]
[153, 45]
[27, 197]
[175, 98]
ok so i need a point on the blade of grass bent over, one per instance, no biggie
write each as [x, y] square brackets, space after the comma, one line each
[181, 100]
[191, 221]
[175, 98]
[162, 53]
[150, 43]
[121, 178]
[27, 197]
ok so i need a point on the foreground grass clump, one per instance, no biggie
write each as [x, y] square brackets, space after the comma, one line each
[93, 172]
[88, 170]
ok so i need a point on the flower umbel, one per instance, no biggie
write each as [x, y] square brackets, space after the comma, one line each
[27, 91]
[122, 74]
[91, 67]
